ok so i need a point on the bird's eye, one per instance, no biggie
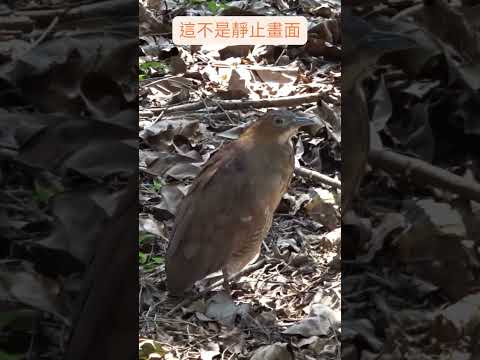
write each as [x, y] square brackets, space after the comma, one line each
[278, 121]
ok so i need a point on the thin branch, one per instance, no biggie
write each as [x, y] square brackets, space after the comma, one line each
[315, 175]
[120, 7]
[424, 173]
[41, 37]
[240, 104]
[16, 22]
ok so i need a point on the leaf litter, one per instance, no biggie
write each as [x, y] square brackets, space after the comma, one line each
[60, 182]
[205, 96]
[410, 269]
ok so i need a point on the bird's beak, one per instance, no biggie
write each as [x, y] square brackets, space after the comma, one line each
[302, 120]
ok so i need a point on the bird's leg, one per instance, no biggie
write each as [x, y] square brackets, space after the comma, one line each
[226, 283]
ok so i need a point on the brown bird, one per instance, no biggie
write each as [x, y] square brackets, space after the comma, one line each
[228, 211]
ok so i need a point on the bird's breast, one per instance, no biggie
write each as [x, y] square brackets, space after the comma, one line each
[275, 171]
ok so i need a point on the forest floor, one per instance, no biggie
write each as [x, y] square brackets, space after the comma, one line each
[289, 304]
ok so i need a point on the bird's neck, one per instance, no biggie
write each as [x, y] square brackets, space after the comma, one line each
[270, 150]
[283, 140]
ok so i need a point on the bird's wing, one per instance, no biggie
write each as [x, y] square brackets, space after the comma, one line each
[221, 159]
[204, 231]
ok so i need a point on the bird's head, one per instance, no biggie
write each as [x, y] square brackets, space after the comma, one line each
[278, 125]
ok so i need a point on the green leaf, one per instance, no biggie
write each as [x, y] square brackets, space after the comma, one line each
[149, 267]
[157, 65]
[142, 258]
[212, 6]
[42, 194]
[157, 185]
[144, 237]
[158, 260]
[147, 68]
[147, 348]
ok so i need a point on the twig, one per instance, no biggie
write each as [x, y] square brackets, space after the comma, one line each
[258, 67]
[202, 98]
[246, 271]
[424, 173]
[226, 113]
[241, 104]
[280, 56]
[41, 37]
[16, 23]
[324, 179]
[109, 7]
[42, 14]
[409, 11]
